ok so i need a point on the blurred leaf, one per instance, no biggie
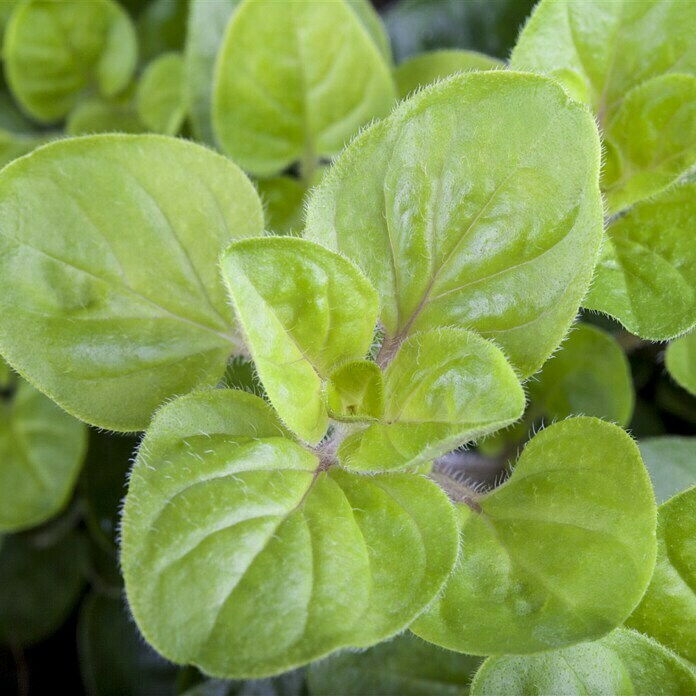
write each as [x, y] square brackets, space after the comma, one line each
[671, 462]
[680, 359]
[161, 27]
[160, 95]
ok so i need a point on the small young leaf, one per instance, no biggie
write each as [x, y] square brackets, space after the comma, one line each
[425, 68]
[294, 82]
[252, 585]
[668, 610]
[624, 662]
[41, 452]
[205, 30]
[646, 274]
[355, 391]
[680, 359]
[41, 580]
[442, 389]
[160, 96]
[671, 462]
[405, 665]
[475, 204]
[561, 552]
[114, 660]
[590, 376]
[304, 310]
[55, 51]
[110, 297]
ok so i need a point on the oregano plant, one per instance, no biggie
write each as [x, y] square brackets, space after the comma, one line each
[389, 368]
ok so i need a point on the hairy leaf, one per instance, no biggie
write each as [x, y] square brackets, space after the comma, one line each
[589, 376]
[205, 30]
[405, 665]
[668, 610]
[425, 68]
[443, 388]
[646, 274]
[160, 97]
[475, 204]
[680, 359]
[294, 82]
[252, 584]
[624, 59]
[304, 310]
[110, 296]
[355, 391]
[561, 552]
[55, 51]
[41, 452]
[624, 662]
[41, 579]
[671, 462]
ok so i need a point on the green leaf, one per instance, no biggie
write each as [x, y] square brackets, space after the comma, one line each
[41, 452]
[560, 553]
[41, 579]
[355, 391]
[590, 375]
[475, 204]
[104, 116]
[162, 27]
[671, 462]
[110, 298]
[252, 585]
[283, 199]
[14, 145]
[103, 484]
[372, 22]
[624, 60]
[680, 359]
[668, 610]
[160, 96]
[56, 51]
[489, 26]
[205, 30]
[406, 666]
[425, 68]
[624, 662]
[651, 140]
[443, 389]
[646, 274]
[114, 660]
[303, 310]
[295, 82]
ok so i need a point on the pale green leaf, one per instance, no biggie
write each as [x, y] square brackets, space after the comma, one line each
[41, 579]
[366, 13]
[205, 30]
[560, 553]
[443, 389]
[41, 452]
[646, 274]
[104, 116]
[624, 662]
[425, 68]
[110, 298]
[284, 560]
[114, 660]
[294, 82]
[55, 51]
[668, 610]
[624, 59]
[475, 204]
[671, 462]
[680, 359]
[160, 96]
[303, 310]
[355, 391]
[590, 376]
[651, 140]
[406, 666]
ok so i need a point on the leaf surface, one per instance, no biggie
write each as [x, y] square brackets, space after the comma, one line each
[110, 296]
[528, 580]
[160, 96]
[680, 359]
[464, 211]
[671, 461]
